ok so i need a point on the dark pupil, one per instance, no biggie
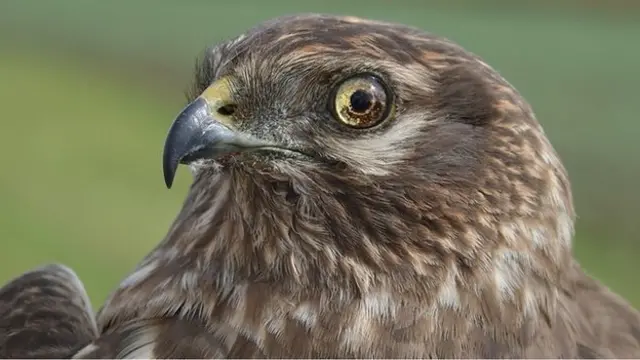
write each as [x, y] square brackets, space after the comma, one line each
[360, 101]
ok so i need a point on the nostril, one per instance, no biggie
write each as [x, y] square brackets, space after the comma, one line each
[227, 110]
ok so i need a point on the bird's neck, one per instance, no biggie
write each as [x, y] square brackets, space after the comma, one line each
[241, 238]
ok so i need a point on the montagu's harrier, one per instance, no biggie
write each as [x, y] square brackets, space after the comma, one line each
[361, 189]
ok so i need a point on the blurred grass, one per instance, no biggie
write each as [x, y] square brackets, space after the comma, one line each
[81, 182]
[89, 89]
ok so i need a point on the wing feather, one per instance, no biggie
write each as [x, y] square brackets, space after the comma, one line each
[160, 338]
[45, 313]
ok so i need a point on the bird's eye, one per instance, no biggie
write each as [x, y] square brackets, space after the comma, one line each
[361, 102]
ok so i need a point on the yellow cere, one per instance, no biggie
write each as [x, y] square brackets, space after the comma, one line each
[217, 95]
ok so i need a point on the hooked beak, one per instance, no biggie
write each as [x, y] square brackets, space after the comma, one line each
[196, 134]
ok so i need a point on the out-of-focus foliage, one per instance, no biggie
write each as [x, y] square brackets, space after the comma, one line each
[89, 88]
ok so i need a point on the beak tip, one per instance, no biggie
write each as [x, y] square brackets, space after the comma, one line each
[168, 178]
[168, 181]
[169, 166]
[180, 137]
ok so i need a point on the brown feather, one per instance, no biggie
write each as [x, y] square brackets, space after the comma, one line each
[156, 338]
[45, 313]
[445, 231]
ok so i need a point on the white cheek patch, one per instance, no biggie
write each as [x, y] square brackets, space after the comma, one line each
[377, 154]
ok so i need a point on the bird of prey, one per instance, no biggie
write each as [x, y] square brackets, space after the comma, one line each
[361, 189]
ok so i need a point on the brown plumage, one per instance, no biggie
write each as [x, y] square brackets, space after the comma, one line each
[362, 189]
[45, 313]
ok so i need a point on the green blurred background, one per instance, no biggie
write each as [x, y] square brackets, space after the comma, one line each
[88, 90]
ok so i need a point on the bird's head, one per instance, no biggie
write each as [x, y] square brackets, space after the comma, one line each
[357, 99]
[353, 146]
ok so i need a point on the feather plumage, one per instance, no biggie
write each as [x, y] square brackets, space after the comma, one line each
[444, 230]
[45, 313]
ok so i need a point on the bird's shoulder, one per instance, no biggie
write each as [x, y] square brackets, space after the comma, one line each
[47, 308]
[605, 325]
[159, 338]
